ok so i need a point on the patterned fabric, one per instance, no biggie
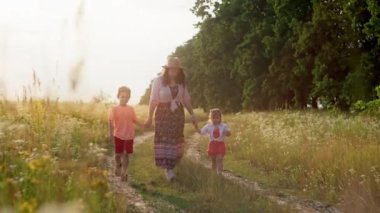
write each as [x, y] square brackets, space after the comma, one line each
[169, 138]
[216, 132]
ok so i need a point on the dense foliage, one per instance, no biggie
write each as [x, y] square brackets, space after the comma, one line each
[273, 54]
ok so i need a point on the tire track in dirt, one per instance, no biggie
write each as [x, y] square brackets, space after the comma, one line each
[129, 196]
[281, 198]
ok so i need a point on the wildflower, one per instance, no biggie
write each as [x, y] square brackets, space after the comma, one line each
[19, 141]
[28, 206]
[72, 207]
[377, 180]
[24, 154]
[35, 181]
[105, 173]
[37, 164]
[44, 146]
[373, 169]
[11, 181]
[351, 171]
[108, 194]
[100, 155]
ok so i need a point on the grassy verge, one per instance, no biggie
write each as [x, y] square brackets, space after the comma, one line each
[52, 157]
[330, 157]
[196, 189]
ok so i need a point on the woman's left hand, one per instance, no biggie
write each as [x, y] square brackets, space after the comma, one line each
[194, 121]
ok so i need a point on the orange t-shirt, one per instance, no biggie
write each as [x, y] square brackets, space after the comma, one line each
[123, 118]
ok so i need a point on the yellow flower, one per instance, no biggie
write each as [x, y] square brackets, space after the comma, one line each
[24, 153]
[108, 194]
[37, 164]
[35, 181]
[28, 206]
[105, 173]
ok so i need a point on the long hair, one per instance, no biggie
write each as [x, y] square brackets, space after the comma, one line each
[179, 79]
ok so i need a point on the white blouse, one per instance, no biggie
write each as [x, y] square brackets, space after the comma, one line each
[215, 132]
[161, 94]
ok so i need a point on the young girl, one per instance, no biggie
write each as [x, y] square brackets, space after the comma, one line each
[217, 131]
[122, 118]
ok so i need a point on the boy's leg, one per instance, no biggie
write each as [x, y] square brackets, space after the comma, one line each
[118, 155]
[219, 164]
[125, 161]
[118, 164]
[125, 166]
[127, 149]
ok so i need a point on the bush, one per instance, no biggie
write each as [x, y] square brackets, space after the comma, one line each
[371, 107]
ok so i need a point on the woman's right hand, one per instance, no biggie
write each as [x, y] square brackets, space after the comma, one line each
[194, 120]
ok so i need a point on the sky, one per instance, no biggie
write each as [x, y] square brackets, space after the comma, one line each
[102, 44]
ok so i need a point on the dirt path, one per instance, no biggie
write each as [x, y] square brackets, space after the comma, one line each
[127, 193]
[301, 205]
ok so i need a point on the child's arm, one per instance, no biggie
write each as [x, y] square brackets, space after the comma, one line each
[110, 124]
[197, 129]
[204, 130]
[227, 131]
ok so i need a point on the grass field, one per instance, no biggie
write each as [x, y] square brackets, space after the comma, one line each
[52, 155]
[320, 155]
[196, 188]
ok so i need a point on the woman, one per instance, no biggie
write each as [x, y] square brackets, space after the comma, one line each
[169, 96]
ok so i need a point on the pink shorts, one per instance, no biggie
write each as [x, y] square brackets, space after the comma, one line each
[216, 148]
[123, 145]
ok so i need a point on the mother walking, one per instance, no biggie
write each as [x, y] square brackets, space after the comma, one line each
[168, 97]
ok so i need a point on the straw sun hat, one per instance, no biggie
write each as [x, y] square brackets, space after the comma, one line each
[173, 62]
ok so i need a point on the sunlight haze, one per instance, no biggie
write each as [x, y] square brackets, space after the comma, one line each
[121, 42]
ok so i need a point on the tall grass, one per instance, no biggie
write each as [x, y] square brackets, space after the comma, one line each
[322, 155]
[53, 153]
[196, 188]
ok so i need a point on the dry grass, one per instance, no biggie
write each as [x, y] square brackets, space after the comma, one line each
[321, 155]
[52, 156]
[53, 153]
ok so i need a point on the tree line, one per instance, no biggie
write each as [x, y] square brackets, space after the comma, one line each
[275, 54]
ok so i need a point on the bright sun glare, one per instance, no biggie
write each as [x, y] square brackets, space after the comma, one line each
[100, 44]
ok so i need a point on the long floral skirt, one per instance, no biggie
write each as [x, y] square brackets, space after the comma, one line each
[168, 138]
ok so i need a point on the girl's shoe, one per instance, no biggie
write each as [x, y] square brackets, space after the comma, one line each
[118, 170]
[170, 174]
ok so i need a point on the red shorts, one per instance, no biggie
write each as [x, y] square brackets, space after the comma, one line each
[123, 145]
[216, 148]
